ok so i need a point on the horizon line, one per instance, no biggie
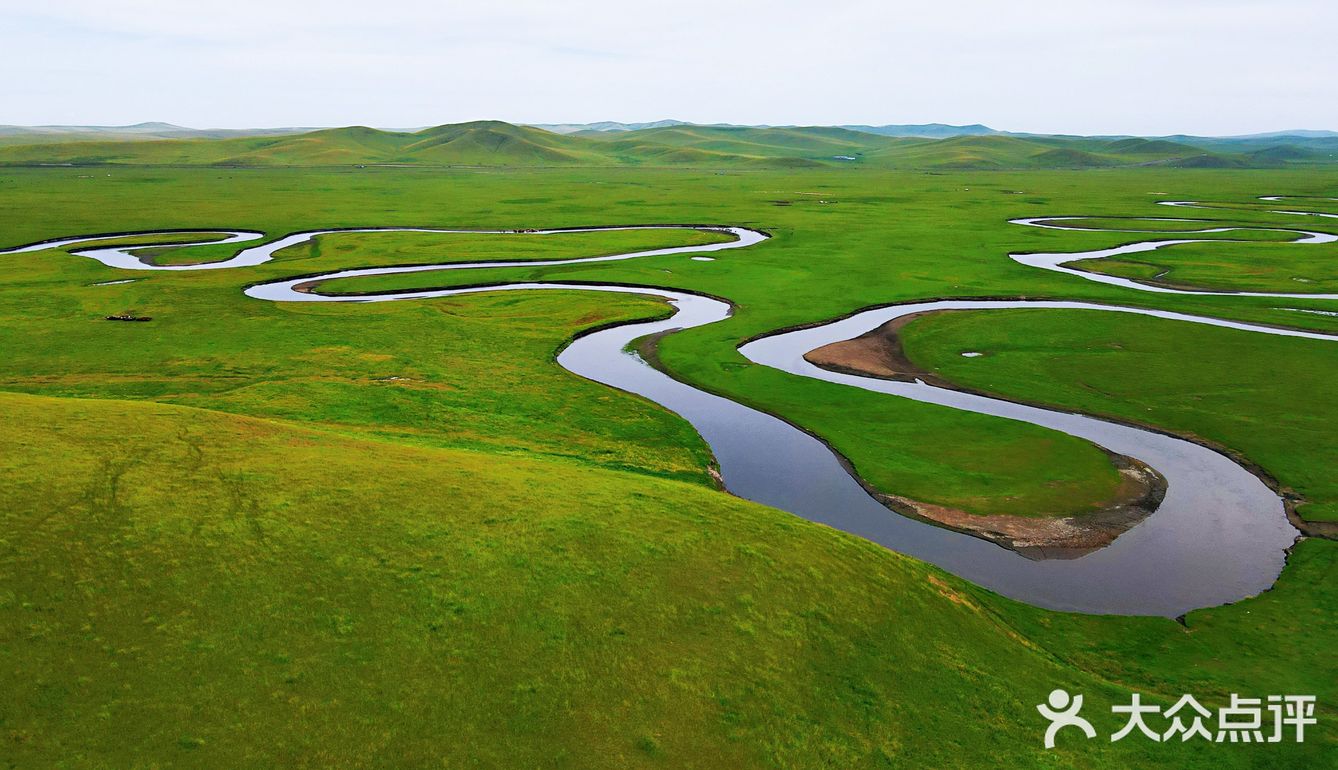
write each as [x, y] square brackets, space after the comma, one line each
[541, 125]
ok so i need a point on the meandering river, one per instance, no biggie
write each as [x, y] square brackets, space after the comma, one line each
[1219, 535]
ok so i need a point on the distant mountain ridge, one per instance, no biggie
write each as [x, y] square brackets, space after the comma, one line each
[918, 130]
[661, 143]
[138, 128]
[925, 130]
[1301, 132]
[605, 125]
[138, 131]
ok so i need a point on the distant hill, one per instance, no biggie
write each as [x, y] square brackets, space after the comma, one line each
[960, 152]
[478, 143]
[1068, 157]
[1150, 147]
[813, 143]
[926, 130]
[138, 131]
[667, 143]
[1301, 132]
[154, 129]
[1204, 160]
[1321, 145]
[605, 125]
[1285, 152]
[920, 130]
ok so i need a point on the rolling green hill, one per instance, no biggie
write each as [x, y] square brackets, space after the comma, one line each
[1069, 157]
[962, 152]
[479, 143]
[763, 142]
[1150, 147]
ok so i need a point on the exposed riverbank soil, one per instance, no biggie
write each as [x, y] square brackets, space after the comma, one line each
[879, 353]
[876, 353]
[1140, 491]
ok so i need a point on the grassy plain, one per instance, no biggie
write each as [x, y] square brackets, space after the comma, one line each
[233, 515]
[1224, 387]
[1272, 267]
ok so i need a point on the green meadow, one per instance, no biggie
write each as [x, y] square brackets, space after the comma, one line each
[1271, 267]
[1227, 389]
[249, 534]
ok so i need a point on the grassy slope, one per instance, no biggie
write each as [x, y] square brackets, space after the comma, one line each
[187, 576]
[1226, 386]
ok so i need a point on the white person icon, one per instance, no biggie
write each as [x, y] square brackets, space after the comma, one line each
[1063, 712]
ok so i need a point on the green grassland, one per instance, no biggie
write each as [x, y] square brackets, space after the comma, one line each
[199, 589]
[1224, 387]
[401, 248]
[400, 534]
[432, 248]
[1265, 261]
[862, 248]
[211, 346]
[1306, 269]
[411, 370]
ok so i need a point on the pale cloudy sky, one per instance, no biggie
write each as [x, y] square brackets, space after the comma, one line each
[1078, 66]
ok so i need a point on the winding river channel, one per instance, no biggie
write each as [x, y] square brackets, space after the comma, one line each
[1219, 535]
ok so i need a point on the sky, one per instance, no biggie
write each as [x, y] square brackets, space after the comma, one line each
[1208, 67]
